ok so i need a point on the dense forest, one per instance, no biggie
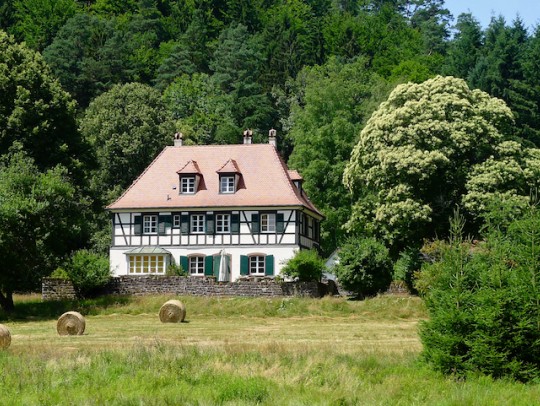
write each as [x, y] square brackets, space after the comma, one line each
[91, 91]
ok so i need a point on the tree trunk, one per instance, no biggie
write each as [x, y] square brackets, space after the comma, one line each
[6, 301]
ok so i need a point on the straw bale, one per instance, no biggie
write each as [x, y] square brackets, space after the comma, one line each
[70, 323]
[173, 311]
[5, 337]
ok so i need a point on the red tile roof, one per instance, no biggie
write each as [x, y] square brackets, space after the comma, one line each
[266, 181]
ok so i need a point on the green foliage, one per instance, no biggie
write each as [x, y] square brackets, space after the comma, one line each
[305, 266]
[88, 271]
[37, 21]
[175, 270]
[127, 127]
[428, 148]
[36, 115]
[59, 273]
[484, 304]
[408, 263]
[364, 267]
[41, 219]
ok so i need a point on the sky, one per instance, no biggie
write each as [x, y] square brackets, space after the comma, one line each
[483, 10]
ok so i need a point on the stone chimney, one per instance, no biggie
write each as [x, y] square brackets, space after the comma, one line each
[248, 134]
[178, 139]
[272, 137]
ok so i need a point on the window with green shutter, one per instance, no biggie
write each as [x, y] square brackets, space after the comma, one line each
[280, 223]
[184, 263]
[165, 222]
[209, 266]
[209, 224]
[244, 265]
[269, 265]
[137, 225]
[235, 223]
[255, 223]
[184, 224]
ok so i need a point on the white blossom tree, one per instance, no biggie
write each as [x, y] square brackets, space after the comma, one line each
[428, 148]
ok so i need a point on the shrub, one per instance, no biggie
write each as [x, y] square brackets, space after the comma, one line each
[59, 273]
[364, 267]
[406, 266]
[306, 266]
[483, 304]
[88, 271]
[175, 270]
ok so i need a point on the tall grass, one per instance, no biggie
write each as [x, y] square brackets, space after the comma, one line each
[234, 351]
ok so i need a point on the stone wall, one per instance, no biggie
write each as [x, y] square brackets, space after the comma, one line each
[56, 289]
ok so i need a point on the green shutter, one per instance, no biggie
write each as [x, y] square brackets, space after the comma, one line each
[235, 223]
[209, 265]
[164, 222]
[255, 223]
[184, 263]
[209, 224]
[217, 262]
[280, 223]
[269, 265]
[137, 222]
[244, 265]
[184, 224]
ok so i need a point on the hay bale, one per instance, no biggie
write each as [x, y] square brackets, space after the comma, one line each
[70, 323]
[173, 311]
[5, 337]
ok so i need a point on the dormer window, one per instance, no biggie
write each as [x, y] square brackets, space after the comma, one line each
[227, 184]
[190, 178]
[229, 177]
[187, 185]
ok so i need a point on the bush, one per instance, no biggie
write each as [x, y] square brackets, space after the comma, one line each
[88, 271]
[406, 266]
[483, 304]
[364, 267]
[175, 270]
[305, 266]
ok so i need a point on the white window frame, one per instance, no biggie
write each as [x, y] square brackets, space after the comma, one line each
[187, 185]
[257, 264]
[196, 265]
[176, 221]
[227, 184]
[268, 222]
[150, 223]
[144, 264]
[223, 223]
[196, 223]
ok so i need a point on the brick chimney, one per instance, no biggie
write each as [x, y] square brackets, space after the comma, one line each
[178, 139]
[248, 134]
[272, 137]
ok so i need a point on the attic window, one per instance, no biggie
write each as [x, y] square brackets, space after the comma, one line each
[227, 184]
[187, 185]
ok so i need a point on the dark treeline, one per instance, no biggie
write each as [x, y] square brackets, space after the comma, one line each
[315, 70]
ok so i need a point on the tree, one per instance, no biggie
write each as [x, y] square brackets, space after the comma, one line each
[88, 57]
[35, 113]
[127, 127]
[37, 21]
[415, 156]
[364, 267]
[41, 221]
[236, 66]
[484, 303]
[334, 102]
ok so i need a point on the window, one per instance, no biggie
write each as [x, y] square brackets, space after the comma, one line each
[223, 223]
[196, 265]
[176, 221]
[226, 184]
[197, 223]
[150, 224]
[187, 184]
[256, 265]
[145, 264]
[268, 223]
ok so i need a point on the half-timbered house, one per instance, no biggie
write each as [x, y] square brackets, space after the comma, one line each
[216, 210]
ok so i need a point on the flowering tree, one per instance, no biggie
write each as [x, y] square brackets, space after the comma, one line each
[428, 148]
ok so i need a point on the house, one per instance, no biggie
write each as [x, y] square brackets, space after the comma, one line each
[225, 211]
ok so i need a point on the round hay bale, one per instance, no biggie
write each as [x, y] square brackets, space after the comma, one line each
[5, 337]
[173, 311]
[71, 323]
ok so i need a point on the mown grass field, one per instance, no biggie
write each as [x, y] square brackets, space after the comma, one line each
[233, 351]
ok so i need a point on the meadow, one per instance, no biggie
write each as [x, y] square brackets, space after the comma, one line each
[233, 351]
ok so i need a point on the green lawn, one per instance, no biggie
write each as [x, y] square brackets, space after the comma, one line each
[233, 351]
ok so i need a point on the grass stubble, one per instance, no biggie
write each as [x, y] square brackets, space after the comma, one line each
[235, 351]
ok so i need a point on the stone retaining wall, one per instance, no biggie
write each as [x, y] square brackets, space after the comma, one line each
[57, 289]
